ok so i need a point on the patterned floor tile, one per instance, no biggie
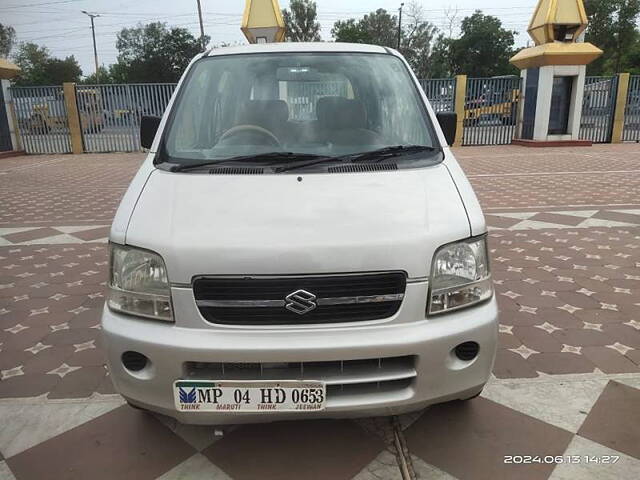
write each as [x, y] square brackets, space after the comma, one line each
[587, 454]
[425, 471]
[35, 234]
[564, 242]
[5, 472]
[336, 449]
[516, 221]
[143, 447]
[614, 420]
[383, 467]
[198, 436]
[471, 439]
[560, 219]
[28, 422]
[197, 467]
[561, 401]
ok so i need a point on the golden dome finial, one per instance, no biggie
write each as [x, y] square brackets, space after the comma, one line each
[558, 21]
[262, 21]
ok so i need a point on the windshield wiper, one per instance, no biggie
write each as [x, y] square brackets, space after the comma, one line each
[306, 163]
[373, 155]
[270, 157]
[389, 152]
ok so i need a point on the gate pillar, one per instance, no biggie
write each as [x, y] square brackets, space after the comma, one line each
[8, 125]
[553, 73]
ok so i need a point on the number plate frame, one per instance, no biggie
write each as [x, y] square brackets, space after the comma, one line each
[219, 396]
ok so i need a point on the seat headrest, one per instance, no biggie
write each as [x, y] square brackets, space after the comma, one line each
[264, 113]
[338, 113]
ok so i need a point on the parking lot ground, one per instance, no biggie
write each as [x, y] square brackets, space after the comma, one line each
[563, 402]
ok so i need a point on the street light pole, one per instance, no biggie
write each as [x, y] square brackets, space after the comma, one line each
[202, 40]
[95, 49]
[400, 25]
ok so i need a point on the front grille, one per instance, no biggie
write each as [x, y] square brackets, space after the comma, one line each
[299, 300]
[346, 377]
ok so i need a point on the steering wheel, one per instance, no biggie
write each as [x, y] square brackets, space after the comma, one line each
[270, 138]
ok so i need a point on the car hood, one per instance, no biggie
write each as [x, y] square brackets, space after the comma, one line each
[205, 224]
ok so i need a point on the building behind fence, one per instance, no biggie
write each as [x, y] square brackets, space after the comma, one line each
[106, 118]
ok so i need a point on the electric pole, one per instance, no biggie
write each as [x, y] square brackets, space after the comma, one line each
[400, 25]
[95, 49]
[202, 40]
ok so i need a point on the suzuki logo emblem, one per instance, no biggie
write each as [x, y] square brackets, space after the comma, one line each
[300, 302]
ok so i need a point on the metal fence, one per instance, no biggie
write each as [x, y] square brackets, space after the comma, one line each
[598, 108]
[491, 110]
[441, 93]
[631, 131]
[42, 119]
[303, 96]
[110, 114]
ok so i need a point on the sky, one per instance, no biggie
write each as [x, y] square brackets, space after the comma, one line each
[61, 26]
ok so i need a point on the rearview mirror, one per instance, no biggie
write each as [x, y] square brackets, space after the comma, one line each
[148, 129]
[448, 122]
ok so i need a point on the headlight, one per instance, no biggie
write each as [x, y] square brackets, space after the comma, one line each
[460, 276]
[138, 284]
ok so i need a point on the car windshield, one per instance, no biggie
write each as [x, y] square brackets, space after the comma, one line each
[316, 104]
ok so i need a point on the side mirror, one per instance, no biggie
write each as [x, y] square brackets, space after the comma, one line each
[148, 129]
[449, 123]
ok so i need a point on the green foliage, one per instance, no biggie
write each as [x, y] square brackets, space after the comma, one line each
[381, 28]
[613, 27]
[483, 49]
[441, 62]
[153, 53]
[417, 40]
[103, 77]
[7, 39]
[39, 68]
[375, 28]
[301, 21]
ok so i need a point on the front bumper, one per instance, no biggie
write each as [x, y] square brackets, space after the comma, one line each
[440, 376]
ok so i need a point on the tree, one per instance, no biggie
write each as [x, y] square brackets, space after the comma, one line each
[483, 49]
[301, 21]
[104, 77]
[7, 39]
[381, 28]
[416, 41]
[440, 62]
[58, 71]
[153, 53]
[39, 68]
[376, 28]
[613, 28]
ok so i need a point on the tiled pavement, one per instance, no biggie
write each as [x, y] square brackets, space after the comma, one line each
[566, 255]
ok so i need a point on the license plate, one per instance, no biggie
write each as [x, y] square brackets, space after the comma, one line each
[249, 397]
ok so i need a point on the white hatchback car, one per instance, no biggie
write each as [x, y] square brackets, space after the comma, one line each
[299, 243]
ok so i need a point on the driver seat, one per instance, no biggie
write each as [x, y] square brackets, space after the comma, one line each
[271, 115]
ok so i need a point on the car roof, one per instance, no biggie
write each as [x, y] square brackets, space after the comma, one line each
[298, 47]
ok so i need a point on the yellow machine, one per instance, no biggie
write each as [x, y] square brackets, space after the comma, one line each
[503, 109]
[51, 116]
